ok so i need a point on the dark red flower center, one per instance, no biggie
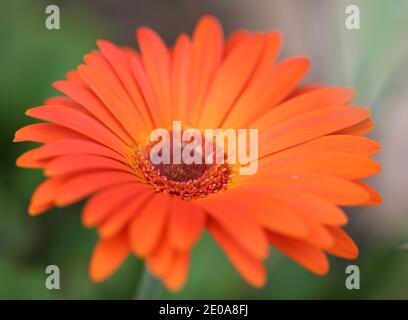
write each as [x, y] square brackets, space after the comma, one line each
[188, 181]
[182, 172]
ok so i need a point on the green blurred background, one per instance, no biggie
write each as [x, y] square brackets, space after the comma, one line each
[373, 60]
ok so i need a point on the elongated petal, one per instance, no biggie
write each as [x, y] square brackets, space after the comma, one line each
[159, 260]
[146, 228]
[313, 100]
[146, 88]
[29, 160]
[334, 143]
[308, 126]
[107, 87]
[119, 62]
[318, 235]
[305, 254]
[343, 246]
[360, 129]
[45, 132]
[121, 216]
[43, 197]
[85, 97]
[262, 95]
[79, 122]
[208, 47]
[76, 147]
[181, 77]
[230, 79]
[235, 38]
[176, 274]
[185, 225]
[335, 190]
[73, 75]
[342, 165]
[241, 226]
[303, 89]
[85, 184]
[305, 203]
[156, 59]
[273, 215]
[374, 197]
[103, 203]
[273, 41]
[66, 101]
[70, 164]
[251, 269]
[108, 255]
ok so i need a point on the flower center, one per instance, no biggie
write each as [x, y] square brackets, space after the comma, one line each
[182, 172]
[187, 181]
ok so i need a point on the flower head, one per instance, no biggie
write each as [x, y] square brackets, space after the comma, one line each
[95, 143]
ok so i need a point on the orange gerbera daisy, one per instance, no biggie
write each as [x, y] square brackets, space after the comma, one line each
[312, 154]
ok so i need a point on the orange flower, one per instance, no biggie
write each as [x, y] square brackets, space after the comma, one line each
[312, 154]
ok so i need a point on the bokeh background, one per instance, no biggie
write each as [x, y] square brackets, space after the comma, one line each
[373, 59]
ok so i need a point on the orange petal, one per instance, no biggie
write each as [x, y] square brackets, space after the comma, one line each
[273, 41]
[181, 77]
[45, 132]
[359, 129]
[70, 164]
[146, 228]
[264, 93]
[85, 97]
[74, 76]
[343, 246]
[342, 165]
[104, 84]
[234, 38]
[108, 255]
[75, 147]
[310, 257]
[119, 62]
[318, 235]
[85, 184]
[29, 160]
[305, 89]
[334, 143]
[208, 48]
[43, 197]
[273, 215]
[335, 190]
[316, 99]
[374, 197]
[103, 203]
[251, 269]
[65, 101]
[309, 126]
[160, 259]
[146, 88]
[306, 204]
[230, 79]
[118, 219]
[186, 224]
[241, 226]
[156, 60]
[81, 123]
[176, 274]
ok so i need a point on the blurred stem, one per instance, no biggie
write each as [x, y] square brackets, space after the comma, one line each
[149, 287]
